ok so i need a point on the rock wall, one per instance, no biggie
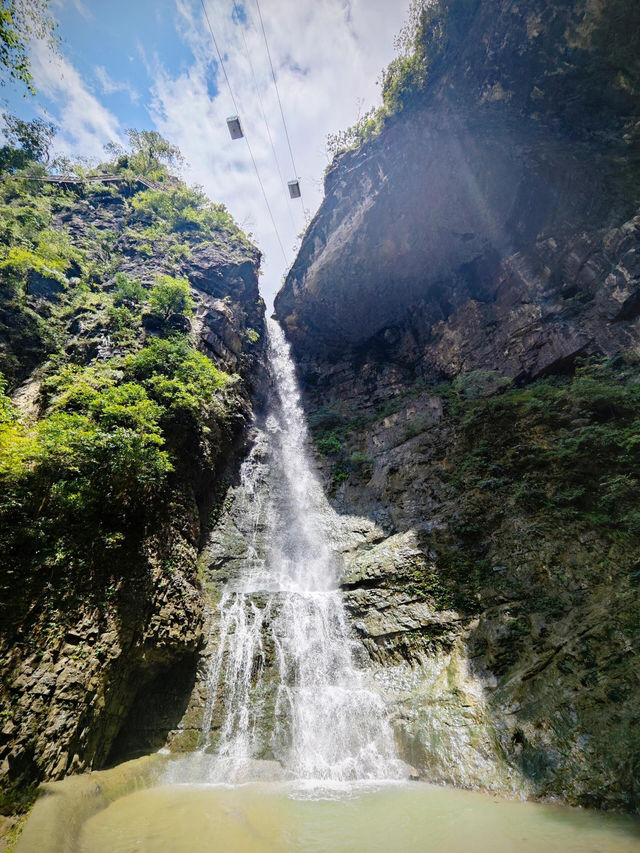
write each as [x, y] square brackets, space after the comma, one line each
[464, 312]
[497, 197]
[98, 659]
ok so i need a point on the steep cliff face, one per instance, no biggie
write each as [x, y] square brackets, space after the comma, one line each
[495, 193]
[132, 342]
[464, 313]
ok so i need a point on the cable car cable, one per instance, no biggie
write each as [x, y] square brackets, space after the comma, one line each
[275, 83]
[255, 167]
[260, 102]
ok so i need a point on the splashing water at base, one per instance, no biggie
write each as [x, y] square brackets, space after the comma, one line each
[327, 723]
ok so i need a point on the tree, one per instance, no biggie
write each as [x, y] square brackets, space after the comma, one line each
[28, 142]
[21, 21]
[170, 296]
[32, 137]
[150, 150]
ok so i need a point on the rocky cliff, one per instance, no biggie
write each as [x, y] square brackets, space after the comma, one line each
[132, 337]
[464, 311]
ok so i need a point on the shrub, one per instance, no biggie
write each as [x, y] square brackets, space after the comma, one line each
[175, 375]
[366, 126]
[129, 291]
[361, 464]
[480, 383]
[91, 460]
[182, 209]
[170, 296]
[325, 418]
[124, 325]
[8, 413]
[14, 441]
[433, 29]
[98, 454]
[329, 444]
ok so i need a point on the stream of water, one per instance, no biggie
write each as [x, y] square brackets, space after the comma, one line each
[326, 723]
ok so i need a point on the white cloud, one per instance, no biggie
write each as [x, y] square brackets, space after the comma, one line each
[85, 125]
[327, 54]
[110, 86]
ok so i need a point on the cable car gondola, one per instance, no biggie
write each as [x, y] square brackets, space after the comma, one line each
[235, 129]
[294, 189]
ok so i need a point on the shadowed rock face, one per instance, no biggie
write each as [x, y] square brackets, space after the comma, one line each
[487, 238]
[468, 226]
[461, 245]
[436, 214]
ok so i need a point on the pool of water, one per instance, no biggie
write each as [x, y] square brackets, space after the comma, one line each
[403, 818]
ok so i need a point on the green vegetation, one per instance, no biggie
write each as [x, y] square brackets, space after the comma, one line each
[21, 21]
[329, 444]
[176, 376]
[368, 125]
[76, 483]
[566, 447]
[27, 142]
[334, 434]
[433, 30]
[16, 799]
[337, 434]
[50, 256]
[332, 431]
[129, 292]
[51, 281]
[148, 149]
[167, 215]
[170, 296]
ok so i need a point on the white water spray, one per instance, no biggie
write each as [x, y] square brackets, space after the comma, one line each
[326, 723]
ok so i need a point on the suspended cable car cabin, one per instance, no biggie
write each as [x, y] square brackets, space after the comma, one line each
[294, 189]
[235, 129]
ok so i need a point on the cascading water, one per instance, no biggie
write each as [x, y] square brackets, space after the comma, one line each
[325, 722]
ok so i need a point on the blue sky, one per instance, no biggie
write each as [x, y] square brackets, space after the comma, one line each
[151, 64]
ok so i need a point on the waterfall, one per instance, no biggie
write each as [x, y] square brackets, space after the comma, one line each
[285, 614]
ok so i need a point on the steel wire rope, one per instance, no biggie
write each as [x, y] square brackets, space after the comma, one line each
[261, 104]
[275, 83]
[246, 138]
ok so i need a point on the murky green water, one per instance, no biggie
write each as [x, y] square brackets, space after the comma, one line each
[412, 818]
